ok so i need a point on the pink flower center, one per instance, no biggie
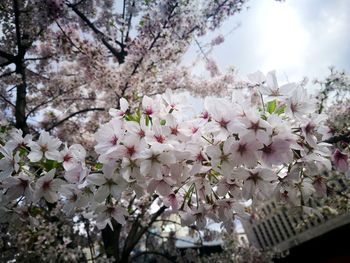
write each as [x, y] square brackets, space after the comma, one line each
[141, 133]
[23, 183]
[254, 177]
[114, 140]
[174, 130]
[148, 111]
[205, 115]
[200, 157]
[268, 149]
[255, 126]
[46, 185]
[131, 150]
[310, 128]
[159, 138]
[223, 123]
[294, 107]
[194, 130]
[44, 148]
[242, 148]
[67, 158]
[110, 210]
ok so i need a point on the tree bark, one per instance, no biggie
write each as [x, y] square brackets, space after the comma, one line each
[21, 100]
[111, 240]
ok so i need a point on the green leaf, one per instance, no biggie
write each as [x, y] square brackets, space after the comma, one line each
[50, 164]
[22, 152]
[281, 109]
[271, 106]
[127, 117]
[98, 166]
[147, 120]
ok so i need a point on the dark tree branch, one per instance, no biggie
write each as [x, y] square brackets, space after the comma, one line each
[119, 55]
[7, 101]
[7, 74]
[6, 63]
[339, 138]
[54, 97]
[68, 38]
[71, 116]
[129, 23]
[9, 57]
[155, 39]
[36, 74]
[135, 234]
[34, 59]
[123, 16]
[144, 253]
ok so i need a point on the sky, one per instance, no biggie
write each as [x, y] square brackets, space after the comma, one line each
[297, 38]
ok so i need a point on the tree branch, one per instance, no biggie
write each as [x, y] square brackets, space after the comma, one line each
[68, 38]
[119, 55]
[48, 101]
[7, 101]
[339, 138]
[152, 253]
[9, 57]
[72, 115]
[154, 41]
[6, 74]
[129, 23]
[136, 233]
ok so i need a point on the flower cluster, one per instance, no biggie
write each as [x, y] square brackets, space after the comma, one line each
[199, 166]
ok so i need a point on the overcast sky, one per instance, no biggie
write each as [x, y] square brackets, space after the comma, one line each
[297, 38]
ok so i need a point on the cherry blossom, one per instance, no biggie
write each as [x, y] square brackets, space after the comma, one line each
[9, 163]
[47, 146]
[203, 167]
[47, 187]
[124, 106]
[106, 212]
[72, 156]
[256, 180]
[109, 183]
[18, 186]
[340, 161]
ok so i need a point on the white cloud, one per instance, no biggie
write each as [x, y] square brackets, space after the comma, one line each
[297, 38]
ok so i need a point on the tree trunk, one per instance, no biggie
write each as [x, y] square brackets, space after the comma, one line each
[21, 100]
[111, 240]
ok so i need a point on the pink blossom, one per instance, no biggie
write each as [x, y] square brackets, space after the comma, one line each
[149, 106]
[47, 187]
[124, 107]
[277, 152]
[109, 183]
[340, 161]
[257, 180]
[47, 146]
[245, 151]
[162, 186]
[109, 135]
[106, 212]
[18, 186]
[16, 139]
[8, 163]
[72, 156]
